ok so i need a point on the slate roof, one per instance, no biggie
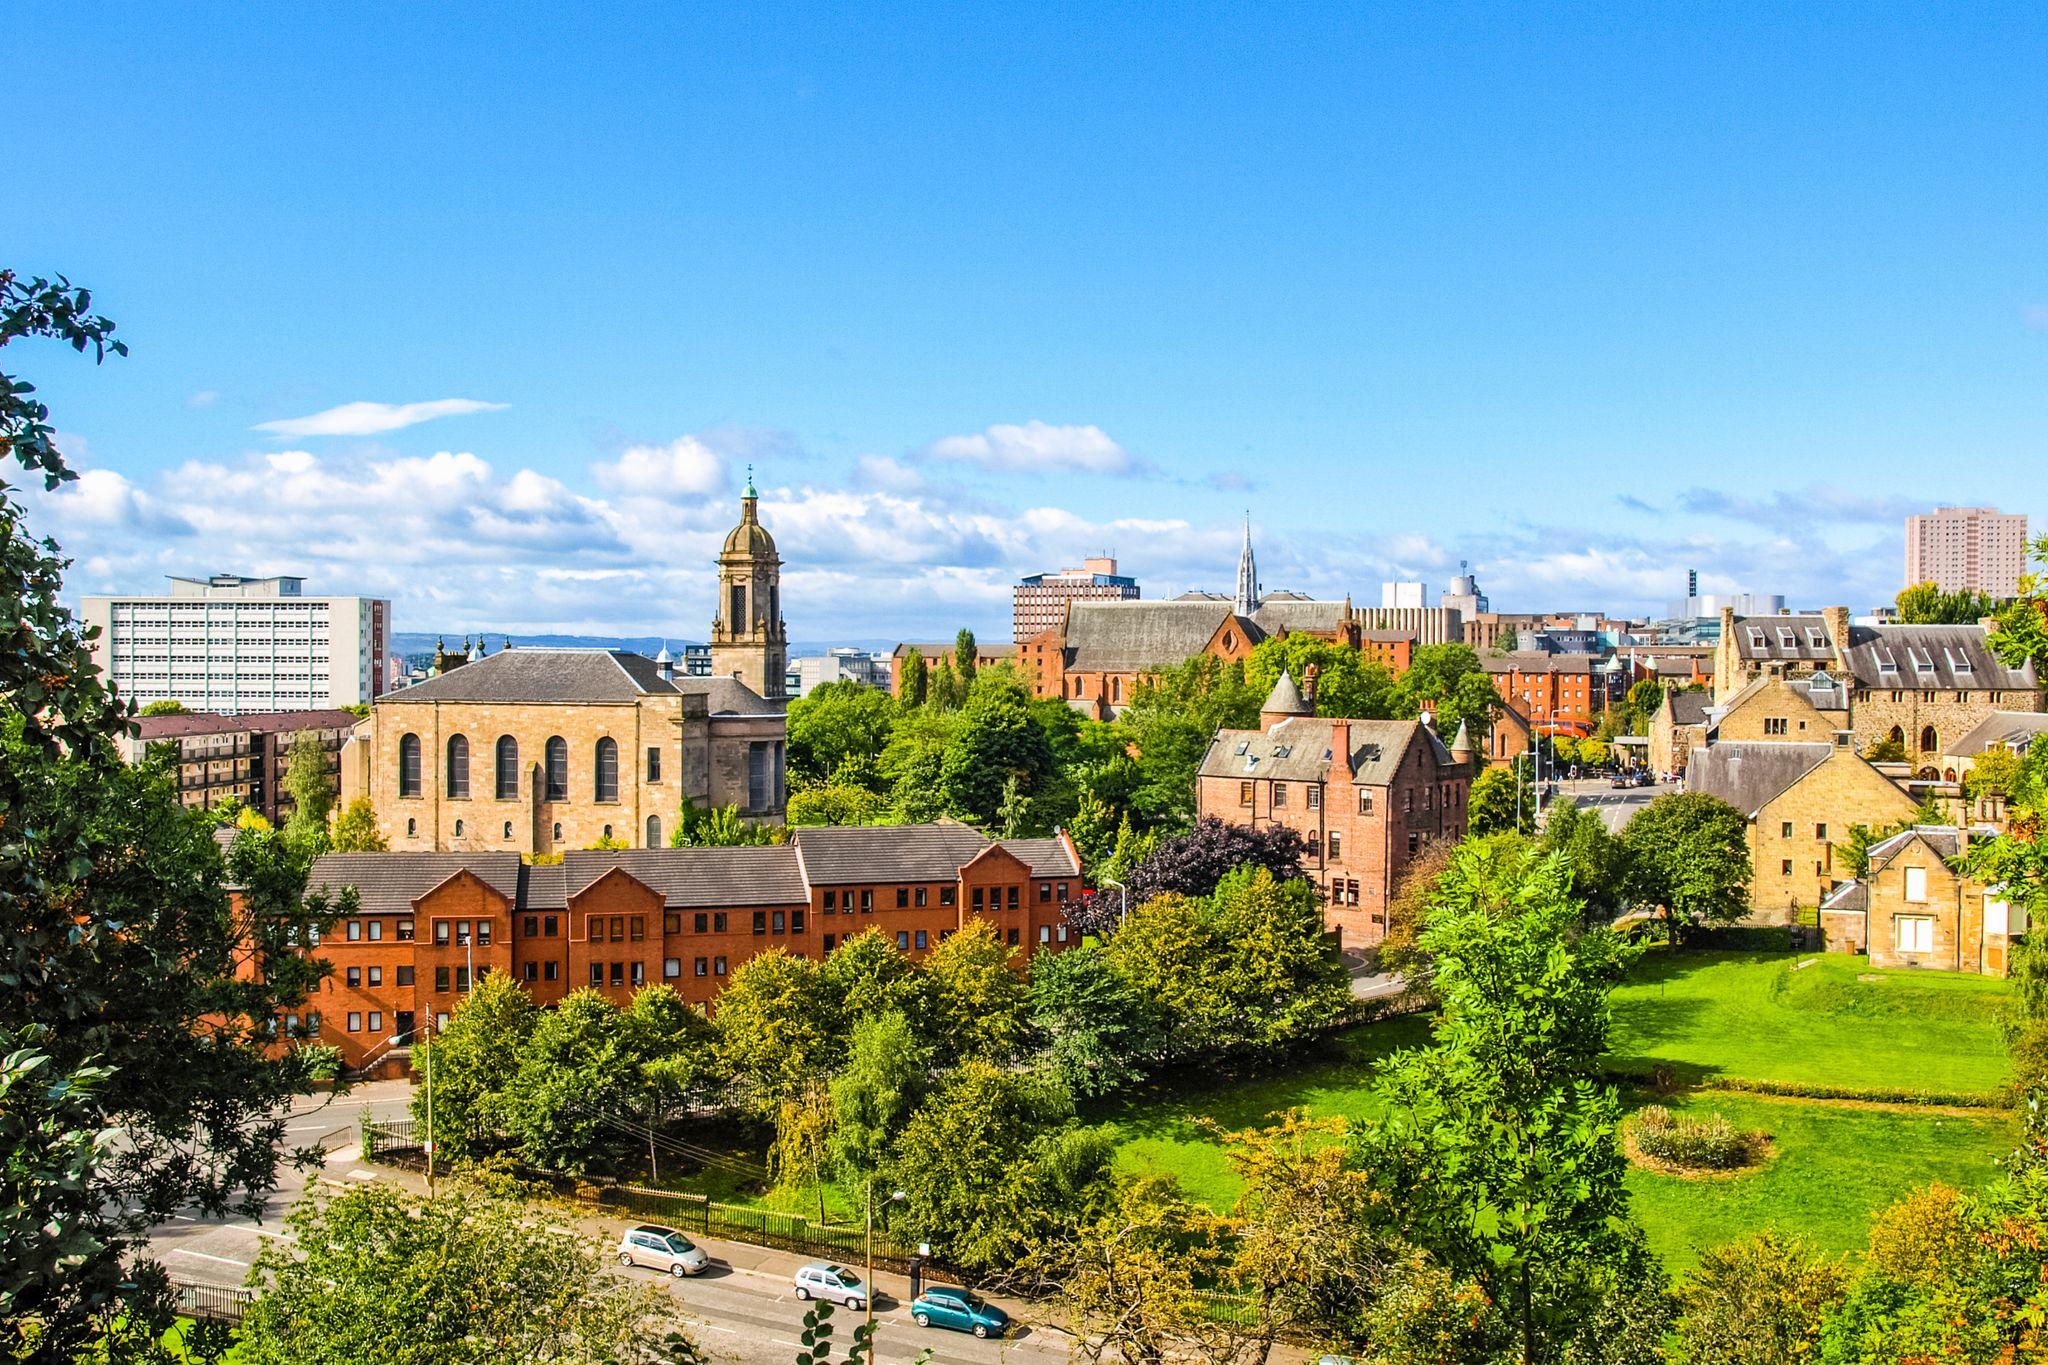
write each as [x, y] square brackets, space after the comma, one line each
[2012, 729]
[1298, 750]
[1945, 840]
[1536, 661]
[265, 722]
[1906, 657]
[1750, 774]
[1285, 699]
[388, 883]
[1851, 896]
[688, 878]
[1045, 857]
[1689, 708]
[1140, 637]
[1299, 614]
[836, 855]
[576, 676]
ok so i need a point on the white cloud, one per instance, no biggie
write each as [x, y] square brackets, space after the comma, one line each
[204, 398]
[369, 419]
[1037, 447]
[684, 467]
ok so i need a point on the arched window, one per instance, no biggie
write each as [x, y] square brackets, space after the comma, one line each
[458, 829]
[508, 829]
[558, 831]
[607, 835]
[558, 768]
[1898, 736]
[607, 769]
[508, 768]
[409, 766]
[412, 829]
[654, 831]
[1116, 689]
[1929, 741]
[458, 766]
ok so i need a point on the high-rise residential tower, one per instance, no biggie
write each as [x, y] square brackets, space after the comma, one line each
[1961, 549]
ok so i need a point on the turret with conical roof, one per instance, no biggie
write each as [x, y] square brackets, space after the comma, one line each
[1461, 744]
[748, 639]
[1283, 702]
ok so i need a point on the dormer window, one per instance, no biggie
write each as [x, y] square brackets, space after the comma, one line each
[1816, 637]
[1885, 662]
[1958, 663]
[1922, 662]
[1757, 639]
[1787, 638]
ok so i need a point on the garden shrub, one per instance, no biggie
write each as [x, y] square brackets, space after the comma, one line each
[1708, 1143]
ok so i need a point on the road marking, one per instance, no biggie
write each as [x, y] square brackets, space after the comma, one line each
[208, 1256]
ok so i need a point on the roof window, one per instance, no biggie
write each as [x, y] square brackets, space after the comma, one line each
[1959, 663]
[1923, 662]
[1242, 746]
[1816, 637]
[1757, 639]
[1787, 637]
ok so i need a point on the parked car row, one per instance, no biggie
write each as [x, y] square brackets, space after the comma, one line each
[654, 1247]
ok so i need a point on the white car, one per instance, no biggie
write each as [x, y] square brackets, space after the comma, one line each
[662, 1249]
[833, 1283]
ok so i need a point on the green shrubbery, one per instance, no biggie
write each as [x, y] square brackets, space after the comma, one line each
[1706, 1143]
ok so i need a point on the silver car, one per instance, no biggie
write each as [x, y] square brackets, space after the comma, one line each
[833, 1283]
[661, 1248]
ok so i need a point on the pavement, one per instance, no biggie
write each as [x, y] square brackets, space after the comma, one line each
[743, 1309]
[1615, 806]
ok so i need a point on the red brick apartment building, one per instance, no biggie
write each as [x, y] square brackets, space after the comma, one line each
[1366, 796]
[429, 925]
[1556, 691]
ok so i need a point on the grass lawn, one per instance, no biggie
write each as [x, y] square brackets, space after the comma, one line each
[1832, 1022]
[1708, 1014]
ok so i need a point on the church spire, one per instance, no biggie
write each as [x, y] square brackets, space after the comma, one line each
[1247, 574]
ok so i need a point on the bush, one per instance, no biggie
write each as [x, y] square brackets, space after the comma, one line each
[1757, 1301]
[1710, 1143]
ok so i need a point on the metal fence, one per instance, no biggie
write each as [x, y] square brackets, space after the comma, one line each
[220, 1302]
[761, 1227]
[384, 1139]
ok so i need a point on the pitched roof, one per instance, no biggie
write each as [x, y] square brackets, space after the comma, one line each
[1140, 637]
[1853, 896]
[388, 883]
[1299, 750]
[1945, 840]
[2012, 729]
[264, 722]
[542, 675]
[1926, 657]
[835, 855]
[1536, 661]
[1749, 774]
[1688, 708]
[1277, 613]
[687, 878]
[1045, 857]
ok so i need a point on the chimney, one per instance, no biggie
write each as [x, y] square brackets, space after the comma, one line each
[1340, 753]
[1837, 621]
[1308, 685]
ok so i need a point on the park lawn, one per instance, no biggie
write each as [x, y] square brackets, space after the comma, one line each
[1760, 1016]
[1832, 1167]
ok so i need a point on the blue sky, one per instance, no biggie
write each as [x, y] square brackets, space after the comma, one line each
[1586, 296]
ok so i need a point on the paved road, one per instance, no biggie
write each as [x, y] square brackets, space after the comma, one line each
[741, 1310]
[1616, 806]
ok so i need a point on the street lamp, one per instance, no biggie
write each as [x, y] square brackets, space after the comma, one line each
[1125, 913]
[868, 1299]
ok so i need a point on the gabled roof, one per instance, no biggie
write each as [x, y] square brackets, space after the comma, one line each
[388, 883]
[1688, 708]
[1906, 657]
[1298, 750]
[839, 855]
[1298, 614]
[1142, 637]
[690, 878]
[1750, 774]
[193, 723]
[1045, 857]
[1536, 661]
[2009, 729]
[1850, 896]
[1945, 840]
[585, 676]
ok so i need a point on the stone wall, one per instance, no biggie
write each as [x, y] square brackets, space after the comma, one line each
[1818, 810]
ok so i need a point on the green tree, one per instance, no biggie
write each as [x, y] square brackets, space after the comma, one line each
[1448, 681]
[1927, 604]
[1591, 853]
[1508, 641]
[914, 763]
[1168, 953]
[1757, 1302]
[1499, 1142]
[1994, 773]
[778, 1025]
[675, 1051]
[474, 1058]
[1309, 1240]
[1645, 697]
[947, 692]
[356, 831]
[720, 827]
[833, 804]
[913, 680]
[1500, 799]
[966, 659]
[1281, 976]
[307, 782]
[1347, 682]
[168, 706]
[577, 1088]
[834, 723]
[974, 997]
[993, 1166]
[1169, 722]
[1095, 1029]
[1688, 852]
[888, 1072]
[867, 976]
[473, 1276]
[996, 743]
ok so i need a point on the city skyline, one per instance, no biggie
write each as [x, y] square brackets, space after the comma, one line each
[1729, 297]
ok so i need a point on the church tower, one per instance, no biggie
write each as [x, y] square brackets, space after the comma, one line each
[748, 641]
[1247, 574]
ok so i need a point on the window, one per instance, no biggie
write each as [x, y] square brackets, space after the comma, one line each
[1408, 799]
[1045, 933]
[597, 973]
[867, 902]
[830, 939]
[1774, 725]
[405, 976]
[760, 921]
[607, 833]
[1820, 831]
[412, 829]
[558, 831]
[977, 900]
[638, 927]
[551, 971]
[458, 767]
[776, 921]
[483, 932]
[1045, 893]
[1916, 885]
[718, 966]
[1062, 933]
[903, 940]
[639, 973]
[607, 769]
[902, 898]
[409, 766]
[671, 923]
[654, 831]
[1916, 932]
[920, 897]
[1364, 801]
[508, 771]
[458, 829]
[1314, 797]
[700, 923]
[532, 972]
[355, 930]
[1930, 742]
[462, 978]
[1010, 938]
[1063, 892]
[1785, 867]
[671, 968]
[441, 928]
[1315, 844]
[532, 926]
[831, 899]
[618, 973]
[1279, 795]
[1997, 914]
[1785, 829]
[1012, 897]
[549, 926]
[557, 772]
[376, 930]
[1244, 793]
[355, 1022]
[760, 786]
[405, 931]
[376, 976]
[1414, 842]
[653, 764]
[355, 978]
[920, 938]
[441, 980]
[508, 829]
[701, 967]
[796, 921]
[718, 921]
[1336, 845]
[618, 928]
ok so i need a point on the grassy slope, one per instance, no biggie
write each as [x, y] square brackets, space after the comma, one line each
[1730, 1014]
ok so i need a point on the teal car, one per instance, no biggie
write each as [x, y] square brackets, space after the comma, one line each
[945, 1306]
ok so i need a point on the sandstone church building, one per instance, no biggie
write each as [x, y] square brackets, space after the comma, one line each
[545, 750]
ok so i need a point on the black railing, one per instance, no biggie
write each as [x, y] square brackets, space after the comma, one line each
[220, 1302]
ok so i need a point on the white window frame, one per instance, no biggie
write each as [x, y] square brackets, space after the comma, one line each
[1913, 933]
[1916, 886]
